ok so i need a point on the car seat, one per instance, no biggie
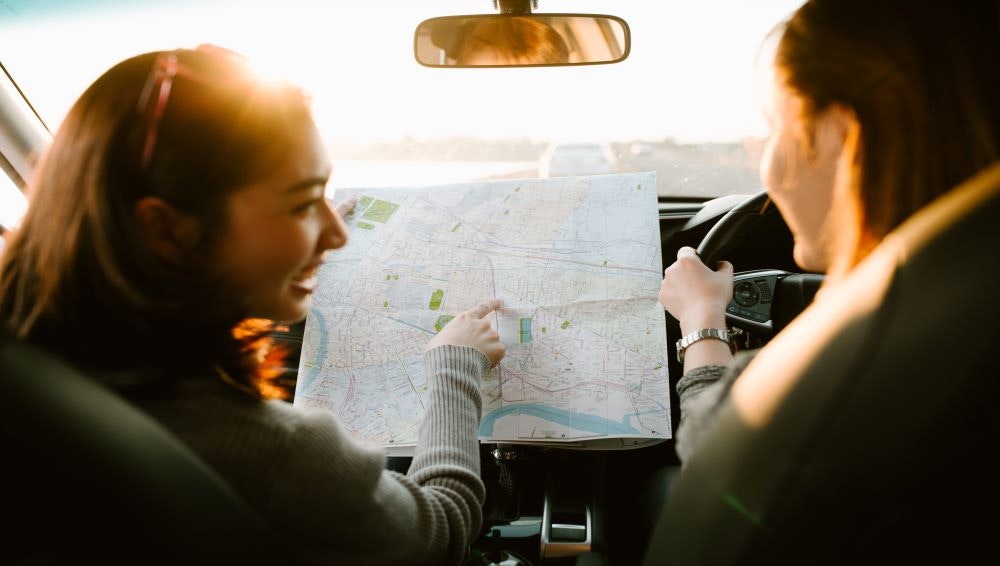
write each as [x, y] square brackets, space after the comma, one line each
[873, 433]
[88, 478]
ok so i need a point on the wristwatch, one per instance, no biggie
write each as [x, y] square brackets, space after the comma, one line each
[716, 333]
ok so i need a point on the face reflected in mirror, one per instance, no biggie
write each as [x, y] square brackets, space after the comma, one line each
[500, 40]
[511, 41]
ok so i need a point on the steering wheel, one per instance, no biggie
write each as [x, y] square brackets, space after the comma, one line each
[764, 300]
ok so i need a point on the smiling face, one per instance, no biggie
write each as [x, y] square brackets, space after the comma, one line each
[799, 168]
[276, 233]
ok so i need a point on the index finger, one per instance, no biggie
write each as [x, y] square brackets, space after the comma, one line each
[484, 308]
[686, 251]
[347, 205]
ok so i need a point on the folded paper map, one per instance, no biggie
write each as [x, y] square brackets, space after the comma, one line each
[577, 264]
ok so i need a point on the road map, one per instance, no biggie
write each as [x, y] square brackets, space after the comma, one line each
[577, 264]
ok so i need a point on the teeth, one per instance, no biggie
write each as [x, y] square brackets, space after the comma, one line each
[308, 282]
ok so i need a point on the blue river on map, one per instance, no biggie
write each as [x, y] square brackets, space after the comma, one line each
[576, 421]
[317, 317]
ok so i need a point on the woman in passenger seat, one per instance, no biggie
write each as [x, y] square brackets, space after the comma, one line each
[878, 108]
[179, 210]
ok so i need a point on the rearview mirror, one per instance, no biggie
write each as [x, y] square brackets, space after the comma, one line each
[504, 40]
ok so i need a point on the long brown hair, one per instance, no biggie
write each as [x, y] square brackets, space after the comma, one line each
[922, 80]
[77, 276]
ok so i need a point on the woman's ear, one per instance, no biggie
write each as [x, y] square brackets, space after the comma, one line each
[168, 232]
[830, 131]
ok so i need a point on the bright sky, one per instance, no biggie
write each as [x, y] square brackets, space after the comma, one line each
[690, 75]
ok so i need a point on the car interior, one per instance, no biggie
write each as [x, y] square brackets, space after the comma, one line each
[90, 477]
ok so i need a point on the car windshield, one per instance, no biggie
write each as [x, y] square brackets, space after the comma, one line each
[682, 104]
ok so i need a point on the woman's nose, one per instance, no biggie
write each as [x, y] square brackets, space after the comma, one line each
[334, 230]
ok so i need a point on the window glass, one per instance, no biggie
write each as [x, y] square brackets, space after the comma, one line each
[682, 104]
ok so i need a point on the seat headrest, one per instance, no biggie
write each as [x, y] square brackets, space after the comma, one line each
[859, 294]
[93, 473]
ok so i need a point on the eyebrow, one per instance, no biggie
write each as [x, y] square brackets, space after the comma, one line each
[308, 184]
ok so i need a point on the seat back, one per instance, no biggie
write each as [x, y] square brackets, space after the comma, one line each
[865, 432]
[88, 476]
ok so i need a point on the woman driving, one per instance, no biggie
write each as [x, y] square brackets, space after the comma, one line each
[876, 109]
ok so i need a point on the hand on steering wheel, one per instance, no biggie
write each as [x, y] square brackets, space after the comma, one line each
[766, 299]
[694, 294]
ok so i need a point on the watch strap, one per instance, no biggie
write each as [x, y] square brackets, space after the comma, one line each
[703, 334]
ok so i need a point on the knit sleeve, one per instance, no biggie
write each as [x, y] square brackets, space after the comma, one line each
[701, 390]
[352, 511]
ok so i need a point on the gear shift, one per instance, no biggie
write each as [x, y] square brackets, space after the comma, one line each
[495, 556]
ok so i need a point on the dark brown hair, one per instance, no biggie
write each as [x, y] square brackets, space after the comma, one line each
[922, 80]
[77, 277]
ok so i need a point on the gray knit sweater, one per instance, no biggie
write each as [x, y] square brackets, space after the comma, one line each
[701, 390]
[329, 494]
